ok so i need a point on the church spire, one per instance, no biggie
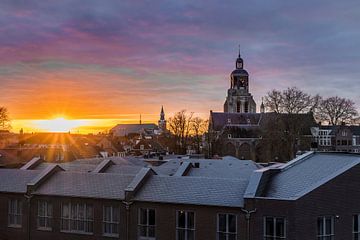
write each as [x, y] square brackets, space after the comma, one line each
[162, 114]
[239, 61]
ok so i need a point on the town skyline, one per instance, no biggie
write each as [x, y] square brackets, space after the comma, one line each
[112, 61]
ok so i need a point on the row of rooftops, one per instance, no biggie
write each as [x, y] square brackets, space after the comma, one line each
[227, 182]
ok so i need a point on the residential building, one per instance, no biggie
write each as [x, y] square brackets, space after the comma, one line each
[314, 196]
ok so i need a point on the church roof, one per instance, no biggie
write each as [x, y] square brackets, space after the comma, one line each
[240, 72]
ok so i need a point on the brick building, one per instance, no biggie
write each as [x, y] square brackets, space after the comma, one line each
[314, 196]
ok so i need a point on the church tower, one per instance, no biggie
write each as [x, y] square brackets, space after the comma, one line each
[162, 121]
[239, 99]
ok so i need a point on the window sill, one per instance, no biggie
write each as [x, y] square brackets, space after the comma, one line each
[111, 235]
[44, 229]
[14, 226]
[76, 232]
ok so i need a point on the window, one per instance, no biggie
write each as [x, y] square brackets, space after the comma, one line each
[229, 120]
[44, 215]
[185, 225]
[111, 220]
[274, 228]
[15, 213]
[238, 107]
[229, 136]
[325, 228]
[146, 226]
[77, 217]
[356, 227]
[226, 227]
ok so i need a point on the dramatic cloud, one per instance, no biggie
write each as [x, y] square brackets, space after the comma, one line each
[106, 58]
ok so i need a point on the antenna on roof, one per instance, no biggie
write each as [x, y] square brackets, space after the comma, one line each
[239, 50]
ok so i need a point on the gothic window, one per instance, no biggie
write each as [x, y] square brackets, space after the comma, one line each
[246, 107]
[238, 105]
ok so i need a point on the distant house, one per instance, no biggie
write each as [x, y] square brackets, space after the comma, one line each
[111, 147]
[147, 146]
[339, 138]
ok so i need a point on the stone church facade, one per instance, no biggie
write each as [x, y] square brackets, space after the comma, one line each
[239, 130]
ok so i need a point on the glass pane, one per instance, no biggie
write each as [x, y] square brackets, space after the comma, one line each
[81, 211]
[222, 236]
[320, 226]
[151, 217]
[41, 210]
[142, 231]
[328, 225]
[232, 223]
[143, 216]
[49, 209]
[107, 213]
[89, 212]
[355, 223]
[191, 220]
[269, 226]
[151, 231]
[222, 222]
[280, 227]
[231, 236]
[190, 235]
[65, 211]
[181, 234]
[181, 219]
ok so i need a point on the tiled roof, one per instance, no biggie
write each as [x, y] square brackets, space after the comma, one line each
[299, 178]
[193, 190]
[15, 180]
[124, 129]
[123, 169]
[87, 185]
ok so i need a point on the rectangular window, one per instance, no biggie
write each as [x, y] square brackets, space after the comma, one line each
[185, 225]
[226, 227]
[274, 228]
[356, 227]
[111, 219]
[325, 228]
[15, 213]
[146, 223]
[77, 217]
[44, 216]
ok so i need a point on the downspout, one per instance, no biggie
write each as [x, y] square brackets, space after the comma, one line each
[127, 207]
[28, 201]
[247, 217]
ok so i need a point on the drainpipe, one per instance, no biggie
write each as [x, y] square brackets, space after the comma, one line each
[127, 207]
[28, 198]
[247, 217]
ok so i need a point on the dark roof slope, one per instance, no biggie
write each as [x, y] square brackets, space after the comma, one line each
[87, 185]
[193, 190]
[301, 177]
[15, 180]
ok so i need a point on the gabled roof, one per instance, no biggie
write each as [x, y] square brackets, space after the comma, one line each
[193, 190]
[298, 178]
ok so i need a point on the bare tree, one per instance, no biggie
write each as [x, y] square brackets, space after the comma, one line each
[4, 119]
[180, 126]
[273, 101]
[292, 100]
[335, 110]
[198, 127]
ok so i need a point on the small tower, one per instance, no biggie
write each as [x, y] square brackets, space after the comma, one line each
[162, 121]
[262, 106]
[239, 98]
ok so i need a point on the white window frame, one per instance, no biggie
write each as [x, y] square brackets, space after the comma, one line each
[77, 219]
[15, 213]
[114, 224]
[46, 214]
[227, 226]
[274, 237]
[147, 225]
[325, 236]
[186, 228]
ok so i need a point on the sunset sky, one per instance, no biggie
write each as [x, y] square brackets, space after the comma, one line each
[93, 60]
